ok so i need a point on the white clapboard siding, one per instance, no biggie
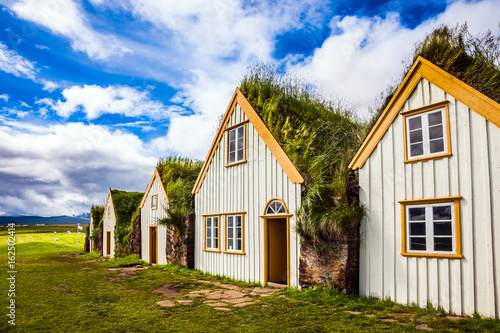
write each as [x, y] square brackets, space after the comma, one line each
[150, 217]
[109, 224]
[246, 188]
[461, 286]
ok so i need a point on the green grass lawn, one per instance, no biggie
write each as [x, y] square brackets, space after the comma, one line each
[59, 292]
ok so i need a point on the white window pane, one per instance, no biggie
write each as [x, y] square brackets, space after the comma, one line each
[209, 222]
[437, 146]
[232, 135]
[232, 146]
[238, 233]
[241, 131]
[216, 243]
[229, 221]
[238, 245]
[416, 214]
[417, 244]
[209, 243]
[229, 244]
[415, 123]
[442, 229]
[417, 229]
[240, 155]
[216, 221]
[209, 232]
[435, 132]
[232, 157]
[443, 244]
[417, 149]
[416, 136]
[238, 221]
[435, 118]
[441, 213]
[230, 232]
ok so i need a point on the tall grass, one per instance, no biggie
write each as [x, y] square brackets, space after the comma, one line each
[319, 136]
[178, 175]
[125, 205]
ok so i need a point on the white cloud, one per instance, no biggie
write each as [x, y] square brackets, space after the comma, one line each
[96, 101]
[13, 63]
[41, 47]
[49, 85]
[63, 169]
[366, 56]
[5, 97]
[66, 18]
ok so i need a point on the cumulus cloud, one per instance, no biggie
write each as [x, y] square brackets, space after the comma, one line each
[13, 63]
[49, 85]
[95, 101]
[365, 54]
[63, 169]
[5, 97]
[66, 18]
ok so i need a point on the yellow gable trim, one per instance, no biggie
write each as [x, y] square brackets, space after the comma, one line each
[271, 143]
[422, 68]
[156, 175]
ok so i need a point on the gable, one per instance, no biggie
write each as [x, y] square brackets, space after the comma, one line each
[423, 68]
[264, 133]
[156, 176]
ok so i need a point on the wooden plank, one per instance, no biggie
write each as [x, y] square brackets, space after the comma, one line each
[364, 255]
[388, 228]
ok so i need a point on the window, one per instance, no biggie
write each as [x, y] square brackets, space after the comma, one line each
[212, 233]
[275, 207]
[154, 201]
[427, 133]
[432, 227]
[236, 145]
[234, 233]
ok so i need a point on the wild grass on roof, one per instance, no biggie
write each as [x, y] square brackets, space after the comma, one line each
[178, 176]
[474, 60]
[96, 212]
[125, 205]
[319, 136]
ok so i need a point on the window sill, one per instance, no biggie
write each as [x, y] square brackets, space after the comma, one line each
[235, 163]
[209, 250]
[235, 252]
[428, 158]
[431, 255]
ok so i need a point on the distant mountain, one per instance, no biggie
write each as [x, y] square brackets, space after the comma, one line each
[31, 220]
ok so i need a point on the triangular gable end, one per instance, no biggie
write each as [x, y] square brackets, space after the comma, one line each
[271, 143]
[422, 68]
[156, 175]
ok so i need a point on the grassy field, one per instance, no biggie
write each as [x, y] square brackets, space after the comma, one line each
[58, 290]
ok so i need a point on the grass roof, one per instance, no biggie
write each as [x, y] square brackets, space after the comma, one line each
[96, 212]
[319, 136]
[125, 205]
[178, 176]
[474, 60]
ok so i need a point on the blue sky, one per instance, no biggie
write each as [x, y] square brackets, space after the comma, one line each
[92, 93]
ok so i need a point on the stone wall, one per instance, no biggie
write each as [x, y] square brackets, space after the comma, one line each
[333, 261]
[180, 244]
[134, 240]
[330, 262]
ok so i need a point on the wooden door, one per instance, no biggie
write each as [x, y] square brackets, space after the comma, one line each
[108, 243]
[153, 244]
[277, 251]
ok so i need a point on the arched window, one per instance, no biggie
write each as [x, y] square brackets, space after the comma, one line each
[275, 207]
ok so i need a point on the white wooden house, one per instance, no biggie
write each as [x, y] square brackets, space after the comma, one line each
[153, 235]
[246, 196]
[108, 227]
[429, 176]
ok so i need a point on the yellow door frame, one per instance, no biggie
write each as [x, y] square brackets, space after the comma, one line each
[266, 219]
[156, 243]
[108, 243]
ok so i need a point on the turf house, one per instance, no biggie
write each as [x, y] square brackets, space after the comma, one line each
[429, 178]
[117, 222]
[166, 234]
[270, 200]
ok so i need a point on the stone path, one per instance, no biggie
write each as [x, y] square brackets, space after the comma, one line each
[226, 297]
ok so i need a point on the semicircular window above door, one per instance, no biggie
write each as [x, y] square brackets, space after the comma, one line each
[275, 207]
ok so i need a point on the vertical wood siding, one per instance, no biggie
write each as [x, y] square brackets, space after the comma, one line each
[151, 217]
[244, 188]
[109, 224]
[460, 286]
